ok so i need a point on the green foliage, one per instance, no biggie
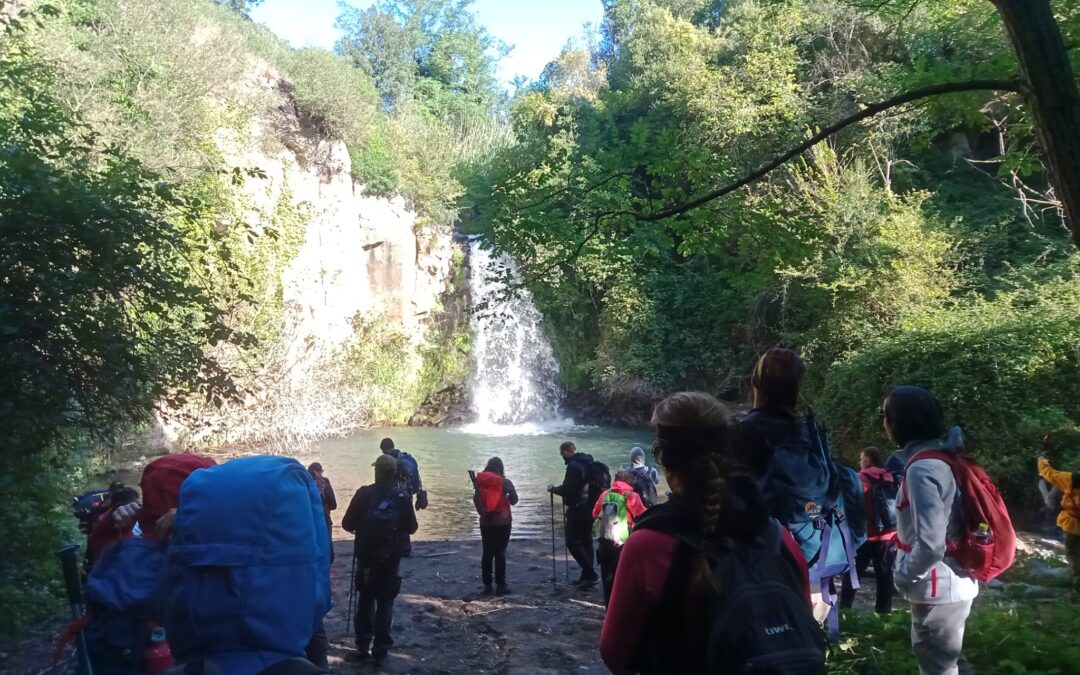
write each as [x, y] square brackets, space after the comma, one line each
[415, 50]
[101, 310]
[1000, 638]
[34, 495]
[885, 255]
[1004, 369]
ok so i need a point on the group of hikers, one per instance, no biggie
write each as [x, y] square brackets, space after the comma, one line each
[763, 535]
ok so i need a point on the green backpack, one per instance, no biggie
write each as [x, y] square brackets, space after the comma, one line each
[613, 523]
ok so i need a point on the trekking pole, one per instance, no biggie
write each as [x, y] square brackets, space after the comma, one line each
[554, 583]
[565, 550]
[70, 567]
[352, 590]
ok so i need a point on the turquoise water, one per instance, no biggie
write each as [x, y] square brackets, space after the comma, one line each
[530, 453]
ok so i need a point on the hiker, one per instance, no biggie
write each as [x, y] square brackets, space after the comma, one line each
[408, 477]
[103, 531]
[817, 498]
[881, 491]
[381, 516]
[578, 509]
[1069, 518]
[122, 589]
[493, 497]
[329, 500]
[645, 478]
[248, 575]
[666, 614]
[940, 593]
[614, 514]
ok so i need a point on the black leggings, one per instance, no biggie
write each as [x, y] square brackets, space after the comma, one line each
[495, 539]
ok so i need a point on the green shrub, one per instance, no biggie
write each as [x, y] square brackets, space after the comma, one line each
[999, 639]
[34, 494]
[373, 166]
[1004, 369]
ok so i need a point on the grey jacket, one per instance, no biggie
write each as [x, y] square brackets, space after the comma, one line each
[924, 575]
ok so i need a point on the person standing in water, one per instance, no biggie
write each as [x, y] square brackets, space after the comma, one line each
[493, 497]
[579, 521]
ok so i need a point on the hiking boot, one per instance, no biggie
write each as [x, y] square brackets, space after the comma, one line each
[587, 582]
[380, 657]
[503, 589]
[488, 590]
[359, 655]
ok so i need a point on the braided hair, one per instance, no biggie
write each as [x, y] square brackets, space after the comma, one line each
[692, 439]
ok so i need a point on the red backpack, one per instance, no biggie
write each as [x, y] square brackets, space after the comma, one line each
[489, 487]
[983, 553]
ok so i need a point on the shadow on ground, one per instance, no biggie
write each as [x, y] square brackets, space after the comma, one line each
[442, 624]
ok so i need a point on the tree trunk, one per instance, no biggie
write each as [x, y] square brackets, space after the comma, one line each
[1052, 96]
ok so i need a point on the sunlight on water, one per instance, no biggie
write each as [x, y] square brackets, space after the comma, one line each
[555, 426]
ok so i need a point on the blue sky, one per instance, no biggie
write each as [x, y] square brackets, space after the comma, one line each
[537, 29]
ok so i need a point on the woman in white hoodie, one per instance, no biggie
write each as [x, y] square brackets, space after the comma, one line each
[931, 515]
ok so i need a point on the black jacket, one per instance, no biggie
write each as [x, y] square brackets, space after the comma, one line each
[575, 486]
[353, 521]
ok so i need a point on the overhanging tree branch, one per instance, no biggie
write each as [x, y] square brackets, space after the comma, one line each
[868, 111]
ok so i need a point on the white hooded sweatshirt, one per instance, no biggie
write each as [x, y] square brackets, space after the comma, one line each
[924, 575]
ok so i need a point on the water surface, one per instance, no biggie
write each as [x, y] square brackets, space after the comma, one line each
[530, 453]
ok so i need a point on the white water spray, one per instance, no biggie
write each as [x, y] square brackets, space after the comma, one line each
[516, 381]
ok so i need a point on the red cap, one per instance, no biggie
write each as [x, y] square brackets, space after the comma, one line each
[161, 481]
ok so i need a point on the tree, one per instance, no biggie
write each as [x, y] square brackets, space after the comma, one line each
[242, 6]
[102, 314]
[1047, 84]
[408, 45]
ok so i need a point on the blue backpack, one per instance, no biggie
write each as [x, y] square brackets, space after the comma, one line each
[248, 571]
[122, 601]
[821, 503]
[408, 472]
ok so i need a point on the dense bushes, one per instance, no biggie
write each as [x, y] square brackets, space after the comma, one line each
[895, 252]
[1004, 369]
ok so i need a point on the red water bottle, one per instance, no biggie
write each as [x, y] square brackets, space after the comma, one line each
[157, 657]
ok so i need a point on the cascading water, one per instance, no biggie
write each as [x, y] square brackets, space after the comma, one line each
[516, 381]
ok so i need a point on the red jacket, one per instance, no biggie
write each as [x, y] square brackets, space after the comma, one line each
[639, 587]
[634, 506]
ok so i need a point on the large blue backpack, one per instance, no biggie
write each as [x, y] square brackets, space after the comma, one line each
[248, 572]
[821, 503]
[121, 596]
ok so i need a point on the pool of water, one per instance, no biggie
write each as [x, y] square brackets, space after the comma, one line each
[530, 454]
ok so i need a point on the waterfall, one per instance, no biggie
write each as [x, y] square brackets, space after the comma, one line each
[516, 381]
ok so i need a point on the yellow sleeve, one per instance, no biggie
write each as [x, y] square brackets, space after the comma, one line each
[1062, 480]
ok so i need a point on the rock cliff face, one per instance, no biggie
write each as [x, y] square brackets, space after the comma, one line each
[361, 256]
[352, 259]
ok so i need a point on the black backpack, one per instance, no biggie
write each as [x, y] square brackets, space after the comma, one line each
[379, 537]
[883, 498]
[759, 622]
[597, 480]
[644, 486]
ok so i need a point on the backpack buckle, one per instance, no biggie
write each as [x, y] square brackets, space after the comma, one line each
[840, 517]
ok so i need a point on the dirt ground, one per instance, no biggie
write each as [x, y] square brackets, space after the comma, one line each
[442, 624]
